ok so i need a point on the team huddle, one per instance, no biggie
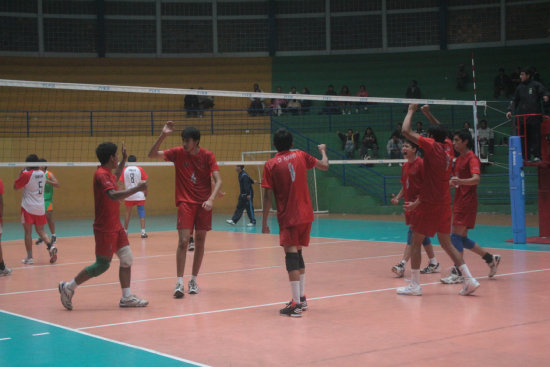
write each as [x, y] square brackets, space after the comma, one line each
[426, 187]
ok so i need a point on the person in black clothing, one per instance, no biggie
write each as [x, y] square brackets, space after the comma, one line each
[527, 100]
[246, 198]
[350, 142]
[413, 91]
[331, 107]
[191, 105]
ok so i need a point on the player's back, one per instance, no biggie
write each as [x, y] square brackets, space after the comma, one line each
[286, 174]
[437, 171]
[33, 191]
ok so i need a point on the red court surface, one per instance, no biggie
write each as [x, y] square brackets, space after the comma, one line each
[355, 317]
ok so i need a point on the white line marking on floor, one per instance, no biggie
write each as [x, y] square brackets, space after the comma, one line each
[40, 334]
[1, 339]
[282, 302]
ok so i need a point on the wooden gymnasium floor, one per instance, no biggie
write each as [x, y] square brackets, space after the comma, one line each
[354, 318]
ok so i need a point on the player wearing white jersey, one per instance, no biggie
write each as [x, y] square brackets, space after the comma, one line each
[131, 176]
[33, 181]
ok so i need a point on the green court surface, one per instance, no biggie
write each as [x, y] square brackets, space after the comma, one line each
[29, 342]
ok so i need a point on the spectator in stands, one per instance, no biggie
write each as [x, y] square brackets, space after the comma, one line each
[345, 107]
[468, 128]
[398, 132]
[527, 100]
[350, 142]
[294, 106]
[369, 145]
[257, 105]
[278, 104]
[191, 105]
[362, 93]
[502, 84]
[461, 77]
[394, 147]
[515, 78]
[413, 91]
[331, 107]
[205, 102]
[486, 138]
[306, 103]
[420, 130]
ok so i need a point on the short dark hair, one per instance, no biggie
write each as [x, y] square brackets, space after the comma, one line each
[282, 139]
[32, 158]
[241, 166]
[413, 145]
[105, 151]
[438, 132]
[191, 132]
[464, 135]
[132, 158]
[43, 160]
[528, 70]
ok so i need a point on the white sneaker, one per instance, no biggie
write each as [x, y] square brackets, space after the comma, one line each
[410, 290]
[191, 246]
[53, 254]
[28, 261]
[470, 285]
[230, 221]
[399, 270]
[494, 265]
[251, 225]
[132, 301]
[179, 291]
[66, 295]
[453, 277]
[5, 272]
[430, 269]
[193, 287]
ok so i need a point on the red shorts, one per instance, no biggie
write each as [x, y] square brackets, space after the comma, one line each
[430, 219]
[0, 225]
[28, 218]
[134, 202]
[194, 215]
[108, 243]
[466, 218]
[295, 236]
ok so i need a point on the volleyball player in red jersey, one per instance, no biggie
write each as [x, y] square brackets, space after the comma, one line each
[412, 179]
[110, 237]
[434, 211]
[285, 176]
[466, 177]
[194, 196]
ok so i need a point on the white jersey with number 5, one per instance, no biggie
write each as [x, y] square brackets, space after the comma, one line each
[131, 176]
[33, 183]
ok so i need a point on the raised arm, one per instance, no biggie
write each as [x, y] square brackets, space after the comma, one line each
[154, 152]
[118, 171]
[426, 111]
[407, 130]
[322, 164]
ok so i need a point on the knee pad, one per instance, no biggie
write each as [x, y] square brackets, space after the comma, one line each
[292, 260]
[426, 241]
[301, 263]
[457, 242]
[125, 256]
[468, 243]
[141, 211]
[99, 267]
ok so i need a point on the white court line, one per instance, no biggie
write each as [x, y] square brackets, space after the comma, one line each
[211, 273]
[4, 339]
[282, 302]
[105, 339]
[40, 334]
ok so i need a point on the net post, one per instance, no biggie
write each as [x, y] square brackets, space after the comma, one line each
[517, 190]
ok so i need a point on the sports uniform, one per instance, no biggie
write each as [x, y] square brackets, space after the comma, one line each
[32, 202]
[193, 186]
[465, 201]
[286, 175]
[131, 176]
[433, 214]
[108, 232]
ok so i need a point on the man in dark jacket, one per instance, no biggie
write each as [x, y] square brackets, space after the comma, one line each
[246, 198]
[527, 100]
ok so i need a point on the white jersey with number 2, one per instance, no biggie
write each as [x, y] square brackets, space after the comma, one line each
[131, 176]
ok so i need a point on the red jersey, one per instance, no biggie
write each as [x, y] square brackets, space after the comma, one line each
[1, 187]
[193, 172]
[412, 179]
[465, 167]
[107, 214]
[286, 175]
[438, 158]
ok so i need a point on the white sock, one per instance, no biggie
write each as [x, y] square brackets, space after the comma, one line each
[180, 280]
[295, 287]
[194, 277]
[53, 234]
[433, 260]
[72, 285]
[415, 276]
[465, 271]
[302, 285]
[142, 231]
[126, 292]
[403, 262]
